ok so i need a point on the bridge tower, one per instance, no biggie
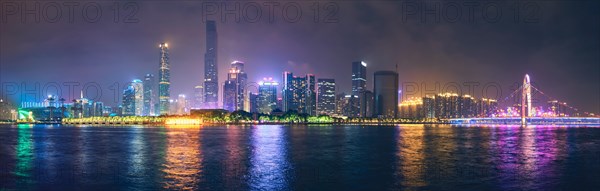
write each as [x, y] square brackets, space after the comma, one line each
[526, 100]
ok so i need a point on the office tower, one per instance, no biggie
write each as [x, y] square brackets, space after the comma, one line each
[128, 105]
[359, 86]
[164, 92]
[149, 95]
[359, 77]
[238, 74]
[351, 106]
[229, 95]
[98, 108]
[182, 105]
[254, 99]
[311, 95]
[299, 93]
[211, 79]
[198, 97]
[138, 87]
[340, 104]
[267, 96]
[367, 104]
[326, 97]
[385, 94]
[234, 87]
[172, 107]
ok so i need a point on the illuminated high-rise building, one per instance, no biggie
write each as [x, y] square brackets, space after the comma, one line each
[211, 75]
[266, 100]
[182, 105]
[447, 105]
[411, 108]
[359, 77]
[138, 87]
[238, 74]
[311, 95]
[7, 111]
[164, 83]
[253, 99]
[234, 87]
[128, 102]
[351, 106]
[468, 106]
[487, 107]
[558, 108]
[385, 94]
[429, 107]
[198, 97]
[229, 95]
[149, 95]
[326, 96]
[359, 86]
[299, 93]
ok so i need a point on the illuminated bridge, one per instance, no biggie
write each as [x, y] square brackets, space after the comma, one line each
[530, 120]
[527, 116]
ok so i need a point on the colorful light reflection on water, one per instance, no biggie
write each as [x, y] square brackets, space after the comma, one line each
[273, 157]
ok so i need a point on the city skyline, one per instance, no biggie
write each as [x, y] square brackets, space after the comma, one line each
[501, 64]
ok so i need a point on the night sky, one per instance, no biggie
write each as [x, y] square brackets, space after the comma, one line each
[557, 43]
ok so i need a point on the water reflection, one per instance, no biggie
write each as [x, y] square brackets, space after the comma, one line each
[269, 165]
[410, 154]
[137, 166]
[24, 155]
[235, 166]
[183, 160]
[526, 156]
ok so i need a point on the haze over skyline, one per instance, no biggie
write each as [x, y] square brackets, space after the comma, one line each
[560, 50]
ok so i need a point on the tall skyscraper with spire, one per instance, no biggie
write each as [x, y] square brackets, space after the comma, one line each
[211, 80]
[164, 82]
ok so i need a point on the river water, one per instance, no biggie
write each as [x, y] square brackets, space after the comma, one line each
[281, 157]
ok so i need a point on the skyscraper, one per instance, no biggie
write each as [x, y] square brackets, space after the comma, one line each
[429, 107]
[229, 95]
[299, 93]
[149, 95]
[267, 96]
[326, 96]
[367, 104]
[164, 83]
[253, 99]
[311, 95]
[182, 105]
[198, 97]
[385, 94]
[138, 88]
[128, 105]
[238, 74]
[211, 80]
[359, 77]
[359, 86]
[233, 95]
